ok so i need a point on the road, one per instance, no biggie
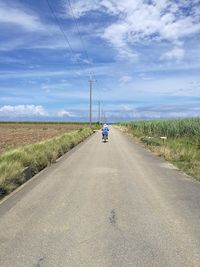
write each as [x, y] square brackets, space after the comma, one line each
[103, 204]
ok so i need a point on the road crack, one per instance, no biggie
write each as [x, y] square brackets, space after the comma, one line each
[113, 217]
[39, 262]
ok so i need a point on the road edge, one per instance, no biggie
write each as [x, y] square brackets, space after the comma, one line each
[37, 176]
[136, 140]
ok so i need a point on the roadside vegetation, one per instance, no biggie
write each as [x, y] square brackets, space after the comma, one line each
[178, 141]
[15, 134]
[35, 157]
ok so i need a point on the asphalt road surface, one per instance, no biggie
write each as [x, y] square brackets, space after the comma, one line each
[103, 204]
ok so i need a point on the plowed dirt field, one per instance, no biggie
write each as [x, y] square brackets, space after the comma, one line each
[13, 135]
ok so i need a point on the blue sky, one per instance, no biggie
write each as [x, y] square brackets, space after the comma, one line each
[145, 55]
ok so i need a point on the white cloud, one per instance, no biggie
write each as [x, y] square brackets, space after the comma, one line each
[127, 112]
[20, 19]
[65, 113]
[55, 86]
[145, 76]
[176, 53]
[22, 111]
[30, 74]
[140, 21]
[125, 79]
[18, 16]
[100, 70]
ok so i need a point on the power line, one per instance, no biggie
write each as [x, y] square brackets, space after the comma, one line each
[80, 37]
[68, 45]
[64, 35]
[82, 42]
[79, 33]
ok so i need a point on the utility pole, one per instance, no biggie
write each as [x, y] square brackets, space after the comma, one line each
[90, 81]
[102, 119]
[105, 117]
[99, 112]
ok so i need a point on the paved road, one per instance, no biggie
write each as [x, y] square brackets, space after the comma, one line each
[112, 204]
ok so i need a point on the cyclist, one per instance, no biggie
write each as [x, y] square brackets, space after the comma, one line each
[105, 130]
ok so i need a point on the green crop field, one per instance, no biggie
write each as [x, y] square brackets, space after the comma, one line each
[171, 128]
[182, 146]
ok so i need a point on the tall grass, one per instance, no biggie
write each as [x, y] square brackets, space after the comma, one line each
[182, 146]
[36, 157]
[171, 128]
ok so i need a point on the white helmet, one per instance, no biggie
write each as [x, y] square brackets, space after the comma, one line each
[105, 125]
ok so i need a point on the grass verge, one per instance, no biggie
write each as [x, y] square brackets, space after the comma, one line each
[183, 152]
[36, 157]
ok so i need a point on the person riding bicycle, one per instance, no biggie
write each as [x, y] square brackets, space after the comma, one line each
[105, 130]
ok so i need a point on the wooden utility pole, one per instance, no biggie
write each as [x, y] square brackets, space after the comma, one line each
[90, 81]
[99, 112]
[102, 116]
